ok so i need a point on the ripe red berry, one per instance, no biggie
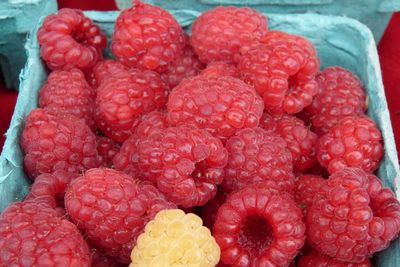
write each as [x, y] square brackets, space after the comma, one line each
[218, 34]
[147, 37]
[222, 105]
[66, 93]
[307, 186]
[112, 208]
[341, 94]
[353, 142]
[53, 143]
[186, 163]
[314, 259]
[256, 155]
[221, 68]
[31, 234]
[259, 227]
[106, 149]
[352, 216]
[282, 68]
[69, 39]
[301, 141]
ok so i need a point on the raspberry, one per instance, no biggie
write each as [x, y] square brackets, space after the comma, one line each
[256, 155]
[31, 234]
[69, 39]
[301, 141]
[218, 34]
[174, 238]
[282, 68]
[112, 208]
[341, 94]
[259, 227]
[314, 259]
[147, 37]
[221, 68]
[127, 159]
[105, 69]
[221, 105]
[184, 66]
[124, 97]
[185, 163]
[68, 93]
[99, 259]
[107, 149]
[352, 216]
[209, 211]
[307, 186]
[54, 143]
[353, 142]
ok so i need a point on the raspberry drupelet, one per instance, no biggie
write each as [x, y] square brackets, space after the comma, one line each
[69, 39]
[282, 68]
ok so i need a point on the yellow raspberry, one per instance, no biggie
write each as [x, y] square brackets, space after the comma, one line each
[174, 238]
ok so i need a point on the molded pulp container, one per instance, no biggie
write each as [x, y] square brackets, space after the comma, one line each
[373, 13]
[17, 18]
[339, 41]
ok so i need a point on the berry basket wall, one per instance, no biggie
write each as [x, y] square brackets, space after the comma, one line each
[373, 13]
[339, 41]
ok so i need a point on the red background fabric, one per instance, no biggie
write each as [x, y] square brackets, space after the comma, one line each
[389, 52]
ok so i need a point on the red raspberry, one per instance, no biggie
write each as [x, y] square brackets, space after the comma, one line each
[221, 105]
[184, 66]
[68, 93]
[352, 216]
[124, 97]
[113, 208]
[341, 94]
[218, 34]
[282, 68]
[107, 149]
[209, 211]
[259, 227]
[105, 69]
[307, 186]
[353, 142]
[147, 37]
[314, 259]
[69, 39]
[301, 141]
[221, 68]
[185, 163]
[54, 143]
[127, 159]
[31, 234]
[256, 155]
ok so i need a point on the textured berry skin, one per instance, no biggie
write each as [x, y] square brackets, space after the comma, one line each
[341, 94]
[301, 141]
[105, 69]
[259, 227]
[127, 159]
[53, 143]
[218, 34]
[112, 208]
[184, 66]
[69, 39]
[187, 164]
[353, 142]
[124, 97]
[147, 37]
[221, 105]
[221, 68]
[67, 93]
[209, 211]
[31, 234]
[307, 186]
[282, 68]
[314, 259]
[256, 155]
[106, 149]
[174, 238]
[352, 216]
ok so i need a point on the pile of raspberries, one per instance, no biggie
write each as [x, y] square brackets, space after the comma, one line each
[236, 123]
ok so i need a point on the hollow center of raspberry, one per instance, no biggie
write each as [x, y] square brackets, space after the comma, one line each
[255, 234]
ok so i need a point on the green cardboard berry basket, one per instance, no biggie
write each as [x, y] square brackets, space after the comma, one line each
[339, 41]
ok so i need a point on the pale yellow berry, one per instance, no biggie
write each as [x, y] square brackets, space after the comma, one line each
[174, 238]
